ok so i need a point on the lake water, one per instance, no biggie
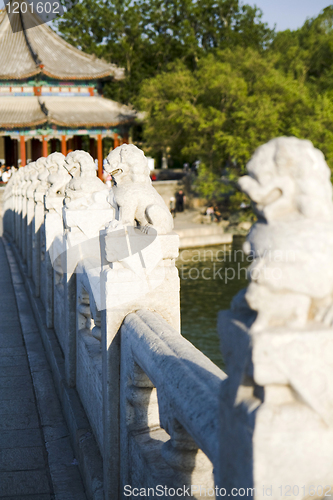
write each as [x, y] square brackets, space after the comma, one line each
[209, 278]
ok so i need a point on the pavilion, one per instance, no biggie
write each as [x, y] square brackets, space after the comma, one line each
[51, 96]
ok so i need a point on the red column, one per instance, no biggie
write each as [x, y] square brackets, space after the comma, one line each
[23, 151]
[44, 144]
[100, 156]
[63, 145]
[115, 141]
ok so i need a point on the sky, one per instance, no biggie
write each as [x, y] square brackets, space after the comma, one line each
[288, 14]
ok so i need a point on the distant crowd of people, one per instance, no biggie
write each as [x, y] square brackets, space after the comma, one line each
[214, 213]
[5, 173]
[192, 168]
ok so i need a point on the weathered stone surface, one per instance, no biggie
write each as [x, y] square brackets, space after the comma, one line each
[89, 282]
[24, 457]
[10, 339]
[25, 420]
[7, 352]
[21, 438]
[23, 483]
[133, 195]
[15, 459]
[14, 371]
[277, 340]
[84, 190]
[291, 245]
[11, 407]
[12, 360]
[28, 497]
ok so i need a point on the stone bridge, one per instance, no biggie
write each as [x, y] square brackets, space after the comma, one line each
[102, 398]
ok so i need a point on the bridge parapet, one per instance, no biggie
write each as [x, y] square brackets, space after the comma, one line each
[278, 333]
[91, 259]
[99, 265]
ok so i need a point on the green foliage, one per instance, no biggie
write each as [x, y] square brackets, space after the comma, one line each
[220, 113]
[307, 53]
[213, 80]
[144, 36]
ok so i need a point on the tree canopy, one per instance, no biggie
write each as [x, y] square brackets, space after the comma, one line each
[144, 36]
[214, 81]
[221, 112]
[307, 53]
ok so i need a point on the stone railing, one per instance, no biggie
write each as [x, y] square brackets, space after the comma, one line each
[108, 292]
[144, 407]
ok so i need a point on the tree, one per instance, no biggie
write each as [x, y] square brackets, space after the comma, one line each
[307, 53]
[220, 113]
[214, 81]
[144, 36]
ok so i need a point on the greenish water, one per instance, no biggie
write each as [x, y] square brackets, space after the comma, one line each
[209, 278]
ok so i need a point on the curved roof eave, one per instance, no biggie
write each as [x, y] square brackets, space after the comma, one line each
[90, 125]
[22, 125]
[74, 78]
[24, 77]
[39, 50]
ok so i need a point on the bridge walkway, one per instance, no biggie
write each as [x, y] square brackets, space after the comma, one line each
[36, 458]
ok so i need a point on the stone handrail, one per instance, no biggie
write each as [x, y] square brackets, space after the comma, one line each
[159, 370]
[114, 319]
[177, 369]
[142, 404]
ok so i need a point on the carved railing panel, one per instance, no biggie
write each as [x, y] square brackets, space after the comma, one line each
[176, 436]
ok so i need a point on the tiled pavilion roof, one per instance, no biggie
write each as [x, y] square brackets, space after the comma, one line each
[72, 112]
[86, 111]
[18, 112]
[39, 50]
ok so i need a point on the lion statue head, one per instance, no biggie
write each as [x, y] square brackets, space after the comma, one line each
[127, 163]
[54, 161]
[291, 275]
[80, 164]
[289, 179]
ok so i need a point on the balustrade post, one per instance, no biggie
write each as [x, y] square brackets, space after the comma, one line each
[37, 222]
[54, 230]
[98, 256]
[85, 213]
[277, 340]
[28, 179]
[141, 274]
[17, 203]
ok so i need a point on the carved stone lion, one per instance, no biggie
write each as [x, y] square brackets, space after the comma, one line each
[85, 189]
[34, 170]
[291, 276]
[58, 177]
[134, 196]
